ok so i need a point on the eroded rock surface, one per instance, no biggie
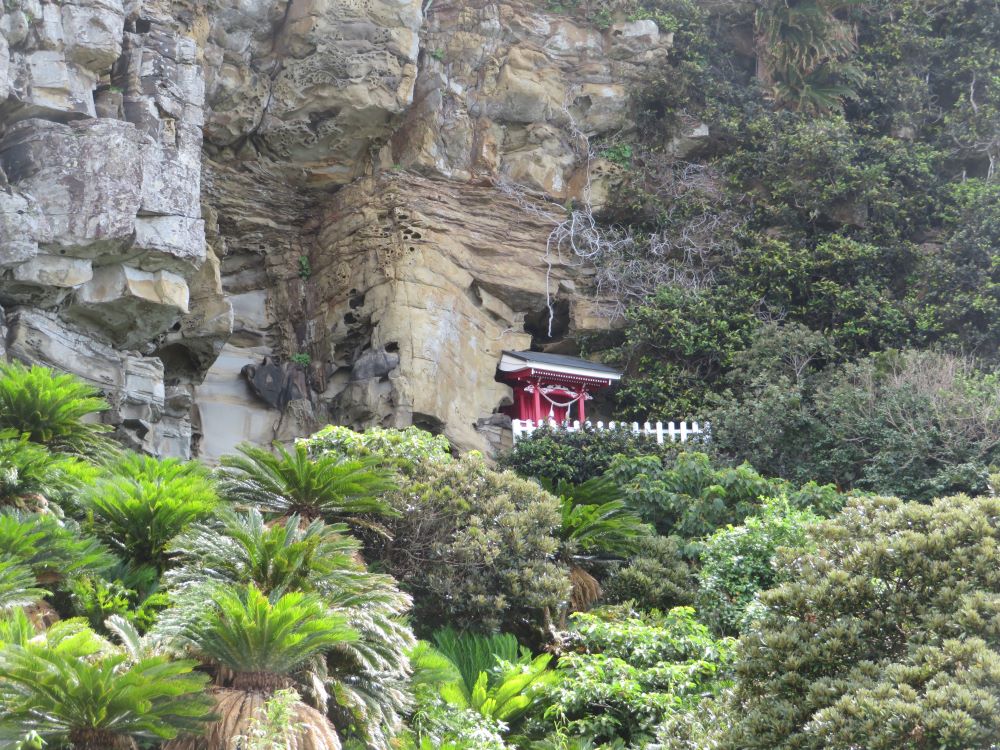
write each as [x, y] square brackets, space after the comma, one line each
[192, 188]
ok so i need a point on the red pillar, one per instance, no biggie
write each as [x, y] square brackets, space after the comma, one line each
[538, 401]
[583, 410]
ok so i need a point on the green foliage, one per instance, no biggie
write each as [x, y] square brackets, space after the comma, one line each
[366, 675]
[805, 48]
[145, 504]
[329, 487]
[737, 562]
[302, 359]
[31, 475]
[395, 448]
[623, 672]
[658, 576]
[18, 585]
[289, 555]
[474, 654]
[476, 549]
[576, 457]
[305, 268]
[916, 424]
[676, 346]
[244, 630]
[883, 636]
[50, 408]
[619, 153]
[54, 550]
[596, 519]
[69, 686]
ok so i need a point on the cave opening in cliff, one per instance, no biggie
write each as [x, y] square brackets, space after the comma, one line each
[548, 325]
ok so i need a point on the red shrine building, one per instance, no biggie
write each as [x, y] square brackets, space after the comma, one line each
[552, 386]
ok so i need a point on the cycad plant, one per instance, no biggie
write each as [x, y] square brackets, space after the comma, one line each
[18, 586]
[367, 678]
[71, 688]
[147, 503]
[31, 476]
[286, 482]
[595, 521]
[804, 51]
[51, 409]
[257, 645]
[54, 550]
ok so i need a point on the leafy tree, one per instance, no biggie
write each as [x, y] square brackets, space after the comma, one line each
[658, 576]
[882, 636]
[737, 562]
[70, 686]
[51, 409]
[476, 548]
[291, 482]
[576, 457]
[400, 448]
[624, 671]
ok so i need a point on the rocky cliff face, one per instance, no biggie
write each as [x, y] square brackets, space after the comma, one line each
[243, 219]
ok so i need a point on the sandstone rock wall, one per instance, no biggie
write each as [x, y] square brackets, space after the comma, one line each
[356, 190]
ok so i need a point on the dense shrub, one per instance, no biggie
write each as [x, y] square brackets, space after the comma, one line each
[738, 561]
[575, 457]
[659, 576]
[623, 671]
[883, 636]
[915, 424]
[404, 448]
[476, 548]
[694, 497]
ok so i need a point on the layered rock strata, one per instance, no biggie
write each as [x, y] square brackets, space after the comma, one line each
[355, 194]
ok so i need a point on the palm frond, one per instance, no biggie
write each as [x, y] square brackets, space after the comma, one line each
[50, 547]
[147, 503]
[18, 585]
[241, 629]
[70, 684]
[290, 482]
[50, 409]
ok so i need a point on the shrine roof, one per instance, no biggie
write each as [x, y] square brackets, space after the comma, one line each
[514, 361]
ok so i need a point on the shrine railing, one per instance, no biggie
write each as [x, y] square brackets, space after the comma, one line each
[675, 432]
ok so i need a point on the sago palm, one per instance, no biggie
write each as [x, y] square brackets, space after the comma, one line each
[595, 520]
[32, 477]
[804, 50]
[18, 586]
[146, 504]
[366, 677]
[503, 690]
[70, 687]
[51, 409]
[286, 482]
[257, 645]
[54, 550]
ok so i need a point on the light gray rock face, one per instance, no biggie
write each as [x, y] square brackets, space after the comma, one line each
[104, 267]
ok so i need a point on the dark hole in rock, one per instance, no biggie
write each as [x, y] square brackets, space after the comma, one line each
[143, 26]
[538, 323]
[350, 319]
[357, 301]
[392, 346]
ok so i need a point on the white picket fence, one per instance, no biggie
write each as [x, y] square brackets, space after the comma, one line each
[674, 431]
